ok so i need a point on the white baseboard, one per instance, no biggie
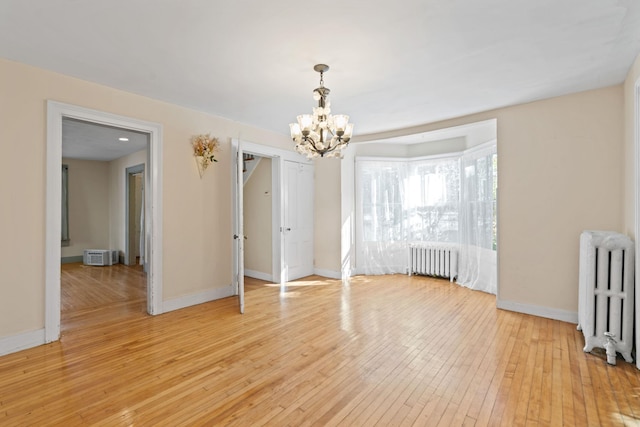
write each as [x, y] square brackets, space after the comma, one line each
[327, 273]
[22, 341]
[536, 310]
[258, 275]
[194, 299]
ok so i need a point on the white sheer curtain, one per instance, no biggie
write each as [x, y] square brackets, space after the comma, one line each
[477, 266]
[381, 226]
[433, 204]
[440, 199]
[401, 201]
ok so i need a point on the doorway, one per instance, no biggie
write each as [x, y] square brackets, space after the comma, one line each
[134, 222]
[104, 200]
[258, 216]
[279, 236]
[56, 112]
[297, 209]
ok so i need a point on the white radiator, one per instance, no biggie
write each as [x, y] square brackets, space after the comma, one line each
[606, 288]
[433, 260]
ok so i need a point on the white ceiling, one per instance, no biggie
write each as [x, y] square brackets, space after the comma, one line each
[394, 65]
[92, 141]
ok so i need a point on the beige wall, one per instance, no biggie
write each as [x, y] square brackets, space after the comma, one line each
[88, 206]
[327, 206]
[560, 171]
[196, 214]
[629, 145]
[257, 218]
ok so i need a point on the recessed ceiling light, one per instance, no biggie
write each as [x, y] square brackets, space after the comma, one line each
[123, 139]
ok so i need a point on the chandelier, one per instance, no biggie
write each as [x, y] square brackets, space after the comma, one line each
[320, 134]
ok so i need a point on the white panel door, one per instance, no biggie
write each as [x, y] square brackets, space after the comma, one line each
[298, 220]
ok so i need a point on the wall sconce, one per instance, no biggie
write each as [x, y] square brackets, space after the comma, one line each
[204, 149]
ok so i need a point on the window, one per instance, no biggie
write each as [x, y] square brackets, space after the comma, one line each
[382, 201]
[479, 199]
[414, 200]
[433, 200]
[439, 199]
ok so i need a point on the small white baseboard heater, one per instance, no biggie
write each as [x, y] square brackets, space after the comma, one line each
[606, 292]
[433, 260]
[99, 257]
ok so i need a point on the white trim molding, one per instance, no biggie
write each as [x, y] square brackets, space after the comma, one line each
[199, 298]
[328, 273]
[22, 341]
[536, 310]
[258, 275]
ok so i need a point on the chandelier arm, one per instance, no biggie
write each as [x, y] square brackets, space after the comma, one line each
[340, 143]
[312, 142]
[332, 149]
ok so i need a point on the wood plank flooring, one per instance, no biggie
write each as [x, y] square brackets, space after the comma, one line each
[376, 351]
[92, 296]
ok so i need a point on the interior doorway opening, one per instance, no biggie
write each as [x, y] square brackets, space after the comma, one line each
[56, 114]
[258, 183]
[103, 209]
[280, 206]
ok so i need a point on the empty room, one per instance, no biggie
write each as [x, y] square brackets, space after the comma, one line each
[340, 213]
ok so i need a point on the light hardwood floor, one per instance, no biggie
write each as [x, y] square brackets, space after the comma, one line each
[384, 350]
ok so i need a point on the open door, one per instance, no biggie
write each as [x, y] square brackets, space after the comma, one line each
[238, 234]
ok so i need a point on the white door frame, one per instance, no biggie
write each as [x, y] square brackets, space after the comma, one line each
[278, 157]
[153, 209]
